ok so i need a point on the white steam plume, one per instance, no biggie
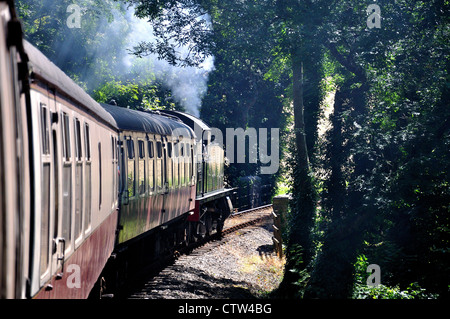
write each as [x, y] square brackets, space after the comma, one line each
[187, 84]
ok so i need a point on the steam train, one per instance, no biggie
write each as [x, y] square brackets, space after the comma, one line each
[88, 190]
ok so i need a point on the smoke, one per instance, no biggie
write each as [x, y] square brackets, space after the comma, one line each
[187, 84]
[98, 49]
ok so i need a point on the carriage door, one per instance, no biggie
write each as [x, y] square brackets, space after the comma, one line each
[159, 179]
[45, 198]
[48, 211]
[62, 205]
[165, 193]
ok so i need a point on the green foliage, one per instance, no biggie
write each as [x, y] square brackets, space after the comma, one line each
[174, 23]
[414, 291]
[362, 291]
[135, 95]
[240, 94]
[83, 53]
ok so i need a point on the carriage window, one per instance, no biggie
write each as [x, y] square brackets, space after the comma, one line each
[169, 171]
[159, 172]
[100, 175]
[45, 192]
[186, 164]
[150, 175]
[175, 164]
[78, 198]
[113, 153]
[66, 137]
[78, 152]
[151, 151]
[66, 181]
[45, 219]
[142, 172]
[45, 130]
[87, 141]
[131, 168]
[191, 165]
[141, 149]
[177, 149]
[159, 149]
[67, 203]
[169, 149]
[130, 147]
[159, 165]
[87, 179]
[114, 166]
[151, 168]
[78, 180]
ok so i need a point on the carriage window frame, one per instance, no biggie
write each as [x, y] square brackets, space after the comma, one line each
[169, 149]
[159, 149]
[159, 167]
[87, 142]
[45, 217]
[100, 171]
[181, 167]
[151, 167]
[78, 192]
[78, 140]
[130, 149]
[67, 179]
[142, 173]
[45, 129]
[67, 150]
[151, 152]
[87, 179]
[131, 159]
[115, 176]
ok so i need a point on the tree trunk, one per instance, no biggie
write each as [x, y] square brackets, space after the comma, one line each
[333, 272]
[299, 247]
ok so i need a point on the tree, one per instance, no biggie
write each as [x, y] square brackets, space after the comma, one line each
[176, 23]
[361, 152]
[94, 60]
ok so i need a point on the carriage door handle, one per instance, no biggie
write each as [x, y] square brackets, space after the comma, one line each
[62, 256]
[166, 188]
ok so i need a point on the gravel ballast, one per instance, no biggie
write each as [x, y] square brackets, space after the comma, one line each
[241, 265]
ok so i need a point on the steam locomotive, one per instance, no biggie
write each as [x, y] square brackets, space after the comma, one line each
[87, 190]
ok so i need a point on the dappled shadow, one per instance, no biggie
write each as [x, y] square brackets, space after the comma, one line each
[266, 251]
[185, 282]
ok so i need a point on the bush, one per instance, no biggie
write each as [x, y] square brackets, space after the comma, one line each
[362, 291]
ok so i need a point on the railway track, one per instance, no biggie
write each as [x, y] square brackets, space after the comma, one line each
[246, 218]
[237, 221]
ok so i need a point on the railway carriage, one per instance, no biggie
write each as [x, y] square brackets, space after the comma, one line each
[58, 167]
[88, 188]
[171, 189]
[74, 202]
[213, 202]
[157, 184]
[14, 164]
